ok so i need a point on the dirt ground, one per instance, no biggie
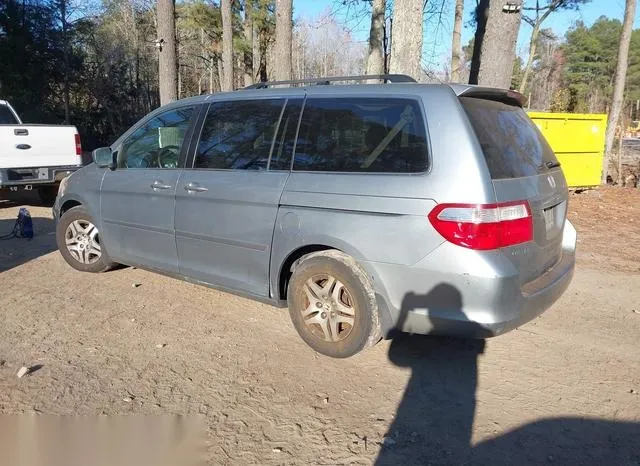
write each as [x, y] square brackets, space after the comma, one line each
[563, 389]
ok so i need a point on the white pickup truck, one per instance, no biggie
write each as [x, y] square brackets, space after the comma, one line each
[36, 156]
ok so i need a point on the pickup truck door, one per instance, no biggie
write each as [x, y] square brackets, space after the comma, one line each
[137, 198]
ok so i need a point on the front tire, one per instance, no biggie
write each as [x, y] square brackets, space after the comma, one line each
[332, 304]
[79, 242]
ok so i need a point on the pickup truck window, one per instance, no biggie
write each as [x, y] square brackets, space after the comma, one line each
[6, 116]
[158, 142]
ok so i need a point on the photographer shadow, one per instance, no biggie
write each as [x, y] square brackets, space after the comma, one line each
[434, 420]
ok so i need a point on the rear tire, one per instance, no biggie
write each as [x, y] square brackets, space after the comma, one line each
[48, 194]
[332, 304]
[79, 242]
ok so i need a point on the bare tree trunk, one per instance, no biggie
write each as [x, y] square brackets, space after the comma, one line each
[456, 50]
[621, 180]
[256, 53]
[263, 50]
[136, 48]
[375, 59]
[220, 73]
[386, 44]
[406, 46]
[211, 74]
[494, 51]
[284, 32]
[167, 62]
[532, 52]
[227, 46]
[248, 35]
[533, 44]
[67, 60]
[618, 86]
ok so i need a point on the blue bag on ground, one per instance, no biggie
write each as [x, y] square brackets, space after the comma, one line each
[23, 228]
[24, 224]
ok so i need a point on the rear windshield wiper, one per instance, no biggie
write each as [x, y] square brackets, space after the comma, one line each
[550, 164]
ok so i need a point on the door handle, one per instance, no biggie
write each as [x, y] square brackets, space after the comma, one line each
[21, 132]
[195, 188]
[159, 185]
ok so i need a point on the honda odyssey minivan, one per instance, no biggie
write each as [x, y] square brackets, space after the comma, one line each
[363, 208]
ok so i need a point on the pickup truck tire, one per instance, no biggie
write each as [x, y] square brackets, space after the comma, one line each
[332, 304]
[48, 194]
[79, 243]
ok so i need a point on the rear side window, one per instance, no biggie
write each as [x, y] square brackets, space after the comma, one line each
[361, 135]
[6, 116]
[238, 135]
[512, 144]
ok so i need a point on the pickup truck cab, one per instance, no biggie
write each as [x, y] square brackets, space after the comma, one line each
[36, 156]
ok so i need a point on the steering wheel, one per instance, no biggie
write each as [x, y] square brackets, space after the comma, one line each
[168, 157]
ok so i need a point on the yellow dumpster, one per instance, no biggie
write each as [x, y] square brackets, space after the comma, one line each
[578, 141]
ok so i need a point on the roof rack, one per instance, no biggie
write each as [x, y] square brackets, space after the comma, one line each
[387, 78]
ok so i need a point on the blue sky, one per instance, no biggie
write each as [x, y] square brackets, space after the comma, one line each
[437, 38]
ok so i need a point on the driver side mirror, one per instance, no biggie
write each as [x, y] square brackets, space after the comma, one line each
[104, 158]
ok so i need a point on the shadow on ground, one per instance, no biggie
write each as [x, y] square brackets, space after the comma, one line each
[9, 199]
[17, 251]
[434, 421]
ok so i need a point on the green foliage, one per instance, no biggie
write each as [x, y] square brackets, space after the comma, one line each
[561, 100]
[632, 92]
[591, 56]
[518, 72]
[111, 61]
[30, 52]
[111, 65]
[264, 15]
[196, 14]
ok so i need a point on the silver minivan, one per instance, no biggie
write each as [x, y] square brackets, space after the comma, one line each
[364, 208]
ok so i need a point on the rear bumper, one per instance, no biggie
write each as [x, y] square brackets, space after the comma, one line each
[459, 292]
[22, 178]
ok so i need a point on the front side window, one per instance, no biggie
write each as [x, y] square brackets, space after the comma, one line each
[157, 143]
[238, 135]
[361, 135]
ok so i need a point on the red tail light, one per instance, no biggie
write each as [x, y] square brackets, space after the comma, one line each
[484, 226]
[78, 145]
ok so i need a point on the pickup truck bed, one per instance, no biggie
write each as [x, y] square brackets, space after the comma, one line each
[36, 156]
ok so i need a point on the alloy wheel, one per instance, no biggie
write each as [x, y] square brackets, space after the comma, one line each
[82, 241]
[329, 312]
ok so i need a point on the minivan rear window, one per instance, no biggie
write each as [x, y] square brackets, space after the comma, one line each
[361, 135]
[512, 144]
[6, 116]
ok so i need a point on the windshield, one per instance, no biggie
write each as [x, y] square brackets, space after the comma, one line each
[512, 144]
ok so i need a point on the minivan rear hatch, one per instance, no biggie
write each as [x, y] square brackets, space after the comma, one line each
[522, 167]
